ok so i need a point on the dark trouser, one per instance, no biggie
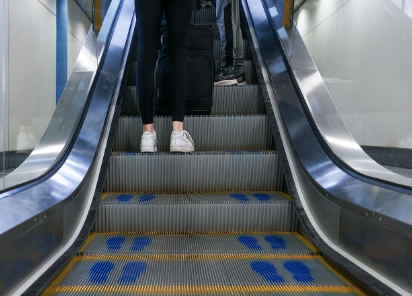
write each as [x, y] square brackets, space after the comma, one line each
[148, 20]
[228, 22]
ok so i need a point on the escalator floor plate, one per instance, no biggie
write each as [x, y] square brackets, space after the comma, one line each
[128, 275]
[197, 245]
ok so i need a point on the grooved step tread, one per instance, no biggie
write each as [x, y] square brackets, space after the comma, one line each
[240, 132]
[195, 213]
[246, 275]
[196, 172]
[189, 245]
[267, 197]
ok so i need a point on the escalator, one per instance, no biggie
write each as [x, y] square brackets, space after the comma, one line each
[218, 221]
[266, 205]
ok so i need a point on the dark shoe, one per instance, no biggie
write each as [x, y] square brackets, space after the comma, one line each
[226, 76]
[240, 76]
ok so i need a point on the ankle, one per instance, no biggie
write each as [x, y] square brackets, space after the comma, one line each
[177, 126]
[149, 128]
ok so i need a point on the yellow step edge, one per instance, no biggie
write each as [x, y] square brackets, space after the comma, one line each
[201, 289]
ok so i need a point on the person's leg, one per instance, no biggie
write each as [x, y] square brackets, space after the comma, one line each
[178, 17]
[228, 21]
[225, 75]
[148, 18]
[238, 60]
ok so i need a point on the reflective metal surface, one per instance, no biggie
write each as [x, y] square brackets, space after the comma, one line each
[39, 223]
[68, 112]
[325, 189]
[323, 110]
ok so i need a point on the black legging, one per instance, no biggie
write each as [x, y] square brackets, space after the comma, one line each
[148, 20]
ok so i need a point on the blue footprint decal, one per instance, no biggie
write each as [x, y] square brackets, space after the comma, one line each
[240, 197]
[146, 198]
[131, 272]
[276, 242]
[300, 271]
[115, 243]
[268, 271]
[140, 243]
[250, 242]
[100, 271]
[124, 198]
[262, 196]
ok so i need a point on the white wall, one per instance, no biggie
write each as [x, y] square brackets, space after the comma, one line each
[363, 52]
[32, 61]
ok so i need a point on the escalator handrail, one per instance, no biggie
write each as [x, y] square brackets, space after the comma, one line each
[46, 218]
[316, 179]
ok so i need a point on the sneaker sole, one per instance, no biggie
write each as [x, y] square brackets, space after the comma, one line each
[225, 82]
[147, 149]
[181, 149]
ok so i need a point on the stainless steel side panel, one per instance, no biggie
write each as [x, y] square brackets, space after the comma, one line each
[40, 223]
[363, 222]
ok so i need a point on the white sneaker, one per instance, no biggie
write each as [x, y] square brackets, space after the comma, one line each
[148, 142]
[25, 142]
[181, 142]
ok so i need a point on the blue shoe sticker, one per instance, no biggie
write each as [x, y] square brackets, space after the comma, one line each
[262, 196]
[124, 198]
[140, 243]
[100, 271]
[276, 242]
[300, 271]
[250, 242]
[115, 243]
[268, 271]
[146, 198]
[240, 197]
[131, 272]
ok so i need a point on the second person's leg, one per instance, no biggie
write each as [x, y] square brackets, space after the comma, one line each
[228, 22]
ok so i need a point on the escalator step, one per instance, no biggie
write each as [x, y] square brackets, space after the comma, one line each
[206, 15]
[195, 213]
[209, 133]
[197, 172]
[228, 100]
[199, 245]
[247, 275]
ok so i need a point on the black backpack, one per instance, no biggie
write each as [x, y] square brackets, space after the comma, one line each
[201, 69]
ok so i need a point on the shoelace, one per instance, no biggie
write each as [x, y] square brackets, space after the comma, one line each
[189, 137]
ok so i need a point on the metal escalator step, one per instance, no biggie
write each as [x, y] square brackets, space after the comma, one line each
[206, 15]
[195, 213]
[250, 72]
[237, 100]
[260, 275]
[199, 245]
[228, 100]
[209, 133]
[197, 172]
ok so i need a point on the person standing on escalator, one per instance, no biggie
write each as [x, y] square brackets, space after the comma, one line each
[148, 20]
[232, 63]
